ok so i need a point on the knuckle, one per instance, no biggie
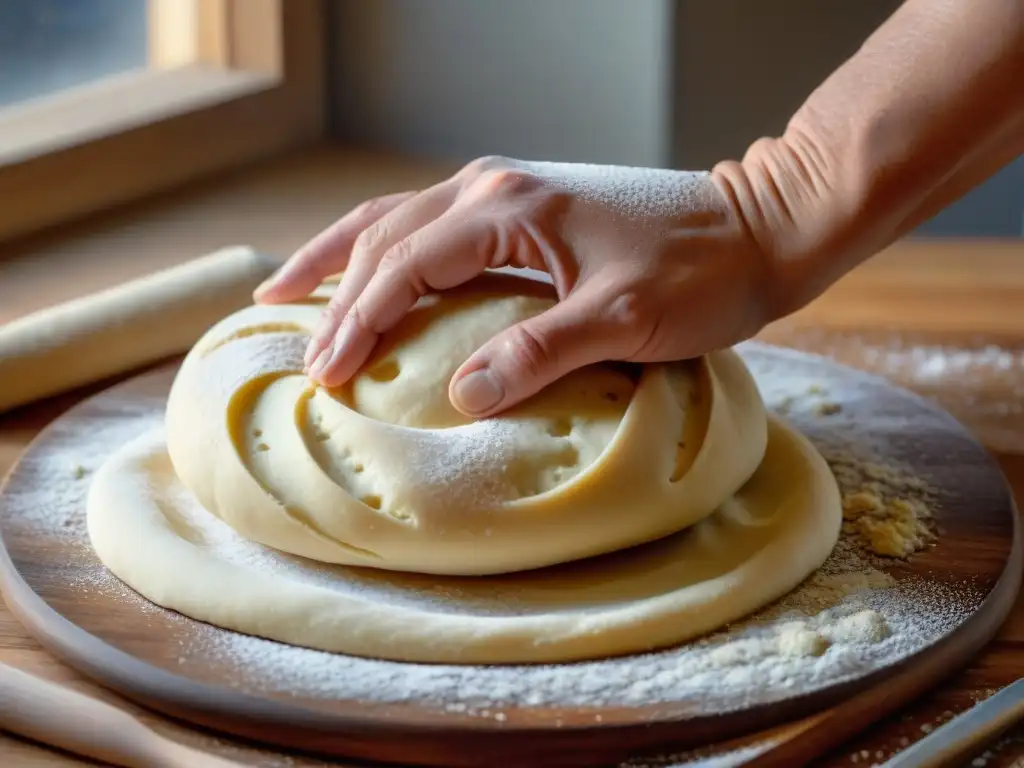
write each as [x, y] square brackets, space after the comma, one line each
[401, 267]
[506, 182]
[370, 239]
[373, 209]
[396, 257]
[334, 311]
[632, 308]
[328, 324]
[395, 198]
[360, 317]
[368, 210]
[480, 165]
[762, 144]
[529, 351]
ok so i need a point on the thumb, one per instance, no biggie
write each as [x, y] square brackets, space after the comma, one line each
[525, 358]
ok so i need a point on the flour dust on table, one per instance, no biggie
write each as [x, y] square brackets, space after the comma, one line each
[979, 382]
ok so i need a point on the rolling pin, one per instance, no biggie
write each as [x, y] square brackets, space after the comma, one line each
[125, 327]
[56, 716]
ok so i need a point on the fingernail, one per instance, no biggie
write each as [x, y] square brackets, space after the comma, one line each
[263, 288]
[335, 351]
[313, 349]
[271, 282]
[478, 391]
[320, 362]
[320, 339]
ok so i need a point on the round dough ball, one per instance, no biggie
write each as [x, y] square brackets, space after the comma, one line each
[385, 473]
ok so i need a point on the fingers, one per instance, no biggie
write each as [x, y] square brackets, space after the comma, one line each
[327, 253]
[445, 253]
[329, 330]
[525, 358]
[370, 249]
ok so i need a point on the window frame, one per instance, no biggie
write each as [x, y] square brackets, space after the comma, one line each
[229, 82]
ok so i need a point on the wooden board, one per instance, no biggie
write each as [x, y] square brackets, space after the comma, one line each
[54, 585]
[975, 377]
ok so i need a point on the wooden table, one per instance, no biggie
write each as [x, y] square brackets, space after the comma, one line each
[966, 296]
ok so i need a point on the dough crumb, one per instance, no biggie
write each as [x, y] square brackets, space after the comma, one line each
[739, 652]
[877, 515]
[900, 531]
[861, 503]
[897, 528]
[795, 639]
[865, 626]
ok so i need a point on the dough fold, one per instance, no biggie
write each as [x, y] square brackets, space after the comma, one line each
[385, 473]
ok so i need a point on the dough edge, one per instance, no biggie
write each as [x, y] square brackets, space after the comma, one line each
[137, 543]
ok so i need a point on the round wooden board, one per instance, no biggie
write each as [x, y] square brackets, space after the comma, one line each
[54, 584]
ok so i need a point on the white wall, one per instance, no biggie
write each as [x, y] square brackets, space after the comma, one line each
[575, 80]
[680, 83]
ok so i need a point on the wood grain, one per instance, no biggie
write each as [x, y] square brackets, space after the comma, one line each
[123, 642]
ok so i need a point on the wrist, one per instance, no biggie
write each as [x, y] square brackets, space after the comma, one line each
[802, 200]
[927, 108]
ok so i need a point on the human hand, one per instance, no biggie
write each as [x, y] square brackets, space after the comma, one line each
[649, 265]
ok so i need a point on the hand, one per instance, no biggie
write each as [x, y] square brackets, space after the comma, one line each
[649, 265]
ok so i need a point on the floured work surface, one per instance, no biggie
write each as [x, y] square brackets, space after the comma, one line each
[911, 478]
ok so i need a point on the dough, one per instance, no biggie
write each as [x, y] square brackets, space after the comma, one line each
[627, 509]
[386, 473]
[130, 325]
[153, 535]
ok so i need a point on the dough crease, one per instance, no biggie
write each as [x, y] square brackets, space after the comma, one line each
[622, 509]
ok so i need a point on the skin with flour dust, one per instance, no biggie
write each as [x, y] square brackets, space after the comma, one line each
[653, 265]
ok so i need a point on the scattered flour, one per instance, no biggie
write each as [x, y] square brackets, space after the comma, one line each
[979, 383]
[856, 614]
[930, 362]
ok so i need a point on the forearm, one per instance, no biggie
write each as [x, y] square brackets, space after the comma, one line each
[928, 108]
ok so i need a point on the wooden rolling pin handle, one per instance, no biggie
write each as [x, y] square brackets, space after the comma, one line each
[124, 327]
[60, 717]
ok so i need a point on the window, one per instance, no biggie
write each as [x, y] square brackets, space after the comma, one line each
[103, 101]
[49, 45]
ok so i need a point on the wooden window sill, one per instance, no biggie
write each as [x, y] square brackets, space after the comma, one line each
[113, 105]
[274, 206]
[229, 83]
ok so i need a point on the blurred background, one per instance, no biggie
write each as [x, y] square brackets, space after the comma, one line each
[680, 83]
